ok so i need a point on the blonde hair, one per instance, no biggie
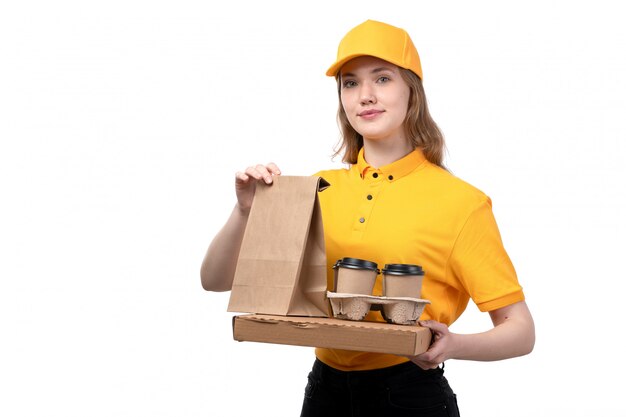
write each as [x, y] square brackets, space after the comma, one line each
[419, 126]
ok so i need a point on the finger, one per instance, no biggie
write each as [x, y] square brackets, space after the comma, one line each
[421, 364]
[429, 324]
[273, 168]
[265, 173]
[424, 364]
[253, 172]
[241, 178]
[433, 325]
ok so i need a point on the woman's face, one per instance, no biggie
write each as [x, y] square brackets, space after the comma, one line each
[375, 98]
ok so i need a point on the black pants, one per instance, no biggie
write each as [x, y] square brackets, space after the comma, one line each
[401, 390]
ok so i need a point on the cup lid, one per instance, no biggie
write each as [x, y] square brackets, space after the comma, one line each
[356, 263]
[403, 269]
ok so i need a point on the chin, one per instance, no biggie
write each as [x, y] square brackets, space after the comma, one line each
[372, 134]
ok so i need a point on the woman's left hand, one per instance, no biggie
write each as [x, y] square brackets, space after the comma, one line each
[441, 347]
[513, 335]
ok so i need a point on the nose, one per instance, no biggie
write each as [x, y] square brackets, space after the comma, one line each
[367, 94]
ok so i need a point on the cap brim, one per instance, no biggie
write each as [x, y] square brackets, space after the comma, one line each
[334, 69]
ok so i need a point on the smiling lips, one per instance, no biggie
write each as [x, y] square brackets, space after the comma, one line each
[370, 114]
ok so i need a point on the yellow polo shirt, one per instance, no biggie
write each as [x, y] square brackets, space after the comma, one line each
[412, 211]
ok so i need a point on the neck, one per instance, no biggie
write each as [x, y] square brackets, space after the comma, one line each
[378, 153]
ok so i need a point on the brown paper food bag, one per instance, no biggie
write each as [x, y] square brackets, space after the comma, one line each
[281, 268]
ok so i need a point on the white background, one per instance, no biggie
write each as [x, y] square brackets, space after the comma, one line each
[122, 124]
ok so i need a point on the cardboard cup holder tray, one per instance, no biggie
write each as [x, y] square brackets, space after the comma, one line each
[396, 310]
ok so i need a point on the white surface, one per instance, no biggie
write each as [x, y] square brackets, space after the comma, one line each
[123, 122]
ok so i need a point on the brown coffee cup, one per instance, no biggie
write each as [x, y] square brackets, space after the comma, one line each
[402, 280]
[355, 276]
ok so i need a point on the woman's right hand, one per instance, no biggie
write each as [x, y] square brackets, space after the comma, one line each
[245, 183]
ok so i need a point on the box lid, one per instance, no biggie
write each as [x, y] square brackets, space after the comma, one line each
[332, 333]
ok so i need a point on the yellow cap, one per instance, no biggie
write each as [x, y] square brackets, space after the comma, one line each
[379, 40]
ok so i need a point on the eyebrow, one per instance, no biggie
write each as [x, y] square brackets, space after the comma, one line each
[374, 71]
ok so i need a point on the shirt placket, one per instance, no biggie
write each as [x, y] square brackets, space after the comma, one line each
[372, 184]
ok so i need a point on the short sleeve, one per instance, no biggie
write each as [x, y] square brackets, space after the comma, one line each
[481, 264]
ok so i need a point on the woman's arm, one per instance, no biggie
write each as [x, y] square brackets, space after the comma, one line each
[513, 335]
[218, 267]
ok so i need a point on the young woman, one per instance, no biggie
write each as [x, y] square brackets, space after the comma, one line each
[396, 203]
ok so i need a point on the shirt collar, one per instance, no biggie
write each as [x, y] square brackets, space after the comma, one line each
[396, 169]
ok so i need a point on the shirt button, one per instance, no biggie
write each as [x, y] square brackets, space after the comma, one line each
[369, 197]
[390, 177]
[362, 220]
[375, 175]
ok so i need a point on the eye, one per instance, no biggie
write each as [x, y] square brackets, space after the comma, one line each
[349, 84]
[383, 79]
